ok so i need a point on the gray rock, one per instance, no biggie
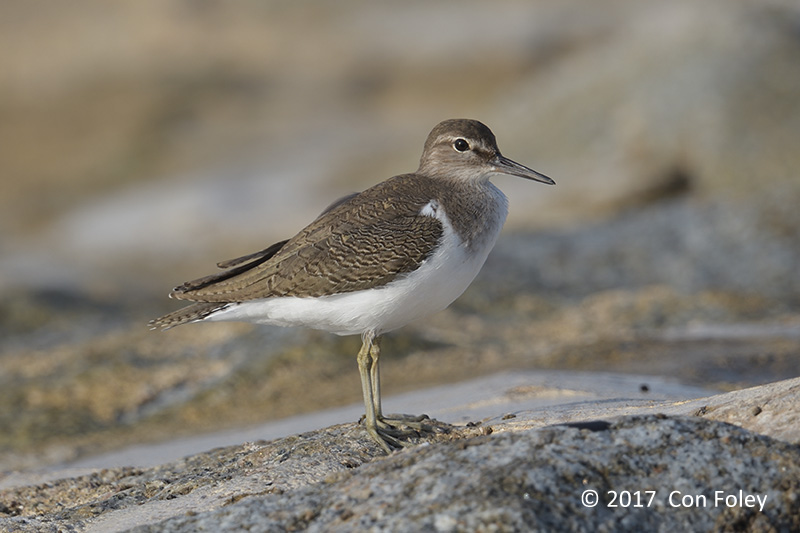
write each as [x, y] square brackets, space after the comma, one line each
[650, 473]
[528, 471]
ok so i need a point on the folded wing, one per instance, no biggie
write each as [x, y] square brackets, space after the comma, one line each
[363, 242]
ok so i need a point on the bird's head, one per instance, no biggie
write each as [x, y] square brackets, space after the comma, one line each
[467, 150]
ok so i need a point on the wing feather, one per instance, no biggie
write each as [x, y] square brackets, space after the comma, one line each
[365, 241]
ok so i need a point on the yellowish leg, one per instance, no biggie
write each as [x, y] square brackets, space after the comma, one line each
[368, 389]
[386, 431]
[375, 376]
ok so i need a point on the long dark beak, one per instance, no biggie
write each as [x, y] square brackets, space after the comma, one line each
[504, 165]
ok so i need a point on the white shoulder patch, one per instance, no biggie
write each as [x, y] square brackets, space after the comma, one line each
[431, 209]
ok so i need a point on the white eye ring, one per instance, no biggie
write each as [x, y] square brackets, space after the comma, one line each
[460, 145]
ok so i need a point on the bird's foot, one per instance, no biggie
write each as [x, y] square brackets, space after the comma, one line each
[394, 431]
[413, 424]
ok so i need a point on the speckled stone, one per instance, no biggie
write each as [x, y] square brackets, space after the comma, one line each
[527, 472]
[534, 480]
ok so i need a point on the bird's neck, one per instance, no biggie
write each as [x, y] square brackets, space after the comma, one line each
[476, 209]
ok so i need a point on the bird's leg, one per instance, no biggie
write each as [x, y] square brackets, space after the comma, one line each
[390, 422]
[381, 432]
[375, 376]
[385, 433]
[368, 389]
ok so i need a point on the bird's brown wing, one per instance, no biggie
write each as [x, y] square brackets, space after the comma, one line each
[363, 242]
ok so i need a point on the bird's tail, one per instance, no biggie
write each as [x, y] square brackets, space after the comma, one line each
[185, 315]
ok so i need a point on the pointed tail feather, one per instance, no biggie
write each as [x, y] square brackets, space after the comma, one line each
[185, 315]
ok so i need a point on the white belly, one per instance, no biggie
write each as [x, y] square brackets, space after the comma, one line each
[439, 280]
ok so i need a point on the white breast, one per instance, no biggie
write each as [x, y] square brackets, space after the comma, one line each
[438, 281]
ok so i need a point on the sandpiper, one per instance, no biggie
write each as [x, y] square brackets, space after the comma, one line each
[373, 261]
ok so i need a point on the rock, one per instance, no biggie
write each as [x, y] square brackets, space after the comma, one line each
[767, 410]
[770, 409]
[654, 471]
[650, 472]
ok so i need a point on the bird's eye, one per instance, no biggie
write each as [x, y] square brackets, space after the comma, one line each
[461, 145]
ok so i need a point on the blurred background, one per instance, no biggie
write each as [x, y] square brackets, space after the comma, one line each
[142, 142]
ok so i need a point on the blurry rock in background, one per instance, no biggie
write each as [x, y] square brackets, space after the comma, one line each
[141, 142]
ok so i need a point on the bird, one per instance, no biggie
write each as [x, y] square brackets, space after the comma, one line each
[373, 261]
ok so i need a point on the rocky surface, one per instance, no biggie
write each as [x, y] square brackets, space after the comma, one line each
[535, 481]
[662, 470]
